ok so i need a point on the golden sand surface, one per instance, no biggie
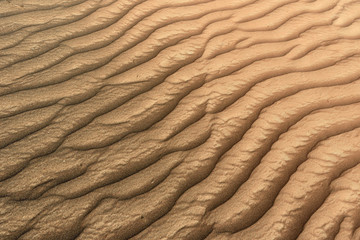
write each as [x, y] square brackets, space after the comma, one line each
[179, 119]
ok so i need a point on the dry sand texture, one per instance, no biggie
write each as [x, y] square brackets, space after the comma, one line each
[179, 119]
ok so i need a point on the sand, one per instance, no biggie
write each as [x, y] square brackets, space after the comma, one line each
[186, 119]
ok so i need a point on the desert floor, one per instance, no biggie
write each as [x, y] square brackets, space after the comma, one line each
[179, 119]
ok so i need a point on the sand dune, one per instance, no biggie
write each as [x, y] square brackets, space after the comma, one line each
[186, 119]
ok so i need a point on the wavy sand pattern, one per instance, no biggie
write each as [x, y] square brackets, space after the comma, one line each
[186, 119]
